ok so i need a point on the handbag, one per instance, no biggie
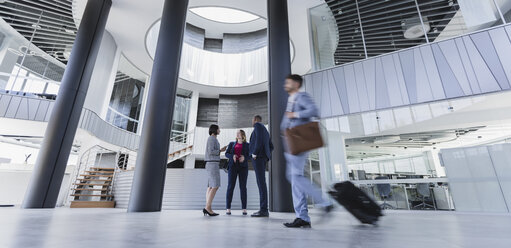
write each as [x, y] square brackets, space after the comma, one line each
[304, 138]
[224, 165]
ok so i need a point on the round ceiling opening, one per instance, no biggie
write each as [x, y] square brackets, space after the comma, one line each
[224, 15]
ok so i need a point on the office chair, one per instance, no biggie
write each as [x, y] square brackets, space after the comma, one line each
[384, 190]
[424, 192]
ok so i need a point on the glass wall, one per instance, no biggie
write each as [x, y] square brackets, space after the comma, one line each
[24, 68]
[395, 154]
[368, 28]
[181, 114]
[127, 96]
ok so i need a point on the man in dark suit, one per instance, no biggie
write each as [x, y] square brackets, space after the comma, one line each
[260, 150]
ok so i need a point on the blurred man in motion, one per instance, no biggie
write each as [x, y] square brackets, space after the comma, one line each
[300, 110]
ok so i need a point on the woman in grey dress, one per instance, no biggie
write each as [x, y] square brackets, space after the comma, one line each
[212, 158]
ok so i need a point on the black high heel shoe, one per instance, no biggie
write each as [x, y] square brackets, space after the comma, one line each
[206, 212]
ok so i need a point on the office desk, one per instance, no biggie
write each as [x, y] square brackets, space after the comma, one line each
[441, 195]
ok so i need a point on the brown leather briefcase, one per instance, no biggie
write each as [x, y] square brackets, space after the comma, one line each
[304, 138]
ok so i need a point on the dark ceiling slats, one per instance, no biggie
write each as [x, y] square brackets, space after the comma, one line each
[383, 25]
[56, 31]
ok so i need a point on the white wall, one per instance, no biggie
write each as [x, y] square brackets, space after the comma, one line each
[14, 179]
[226, 136]
[103, 76]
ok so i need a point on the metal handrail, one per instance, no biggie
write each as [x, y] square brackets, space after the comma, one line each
[181, 141]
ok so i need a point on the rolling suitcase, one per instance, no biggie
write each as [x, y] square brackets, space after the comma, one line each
[356, 202]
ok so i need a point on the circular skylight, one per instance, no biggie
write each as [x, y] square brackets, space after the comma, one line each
[224, 15]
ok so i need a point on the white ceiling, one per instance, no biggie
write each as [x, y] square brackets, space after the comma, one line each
[129, 21]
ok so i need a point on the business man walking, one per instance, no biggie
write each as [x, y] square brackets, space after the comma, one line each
[260, 150]
[299, 111]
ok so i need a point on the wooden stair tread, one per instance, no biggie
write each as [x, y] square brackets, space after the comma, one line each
[100, 168]
[90, 179]
[88, 175]
[92, 184]
[92, 204]
[84, 189]
[102, 172]
[91, 195]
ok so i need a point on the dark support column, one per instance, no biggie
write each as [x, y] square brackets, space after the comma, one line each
[51, 163]
[149, 179]
[279, 59]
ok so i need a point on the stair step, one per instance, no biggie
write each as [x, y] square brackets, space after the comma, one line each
[99, 168]
[102, 172]
[87, 175]
[91, 195]
[84, 189]
[92, 204]
[91, 179]
[92, 184]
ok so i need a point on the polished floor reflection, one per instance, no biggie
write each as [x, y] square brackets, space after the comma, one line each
[115, 228]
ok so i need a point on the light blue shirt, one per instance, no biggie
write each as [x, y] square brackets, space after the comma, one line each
[302, 104]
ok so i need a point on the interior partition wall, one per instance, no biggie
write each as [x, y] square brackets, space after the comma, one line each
[480, 177]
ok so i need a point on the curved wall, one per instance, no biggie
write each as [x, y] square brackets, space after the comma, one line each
[103, 76]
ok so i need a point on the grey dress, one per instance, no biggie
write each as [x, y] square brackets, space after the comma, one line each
[212, 158]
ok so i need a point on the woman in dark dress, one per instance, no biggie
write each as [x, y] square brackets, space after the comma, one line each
[238, 155]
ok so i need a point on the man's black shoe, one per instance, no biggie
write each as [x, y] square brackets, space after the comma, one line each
[298, 223]
[260, 214]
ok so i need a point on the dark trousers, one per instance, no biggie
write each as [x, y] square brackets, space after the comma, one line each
[260, 172]
[242, 173]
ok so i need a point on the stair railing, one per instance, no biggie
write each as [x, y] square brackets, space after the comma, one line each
[87, 160]
[181, 141]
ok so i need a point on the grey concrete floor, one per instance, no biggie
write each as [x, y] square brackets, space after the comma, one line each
[95, 228]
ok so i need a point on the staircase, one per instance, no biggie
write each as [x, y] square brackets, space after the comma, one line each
[93, 184]
[180, 146]
[93, 189]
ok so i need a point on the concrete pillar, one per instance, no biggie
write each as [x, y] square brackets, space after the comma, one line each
[279, 61]
[149, 178]
[190, 162]
[334, 167]
[51, 163]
